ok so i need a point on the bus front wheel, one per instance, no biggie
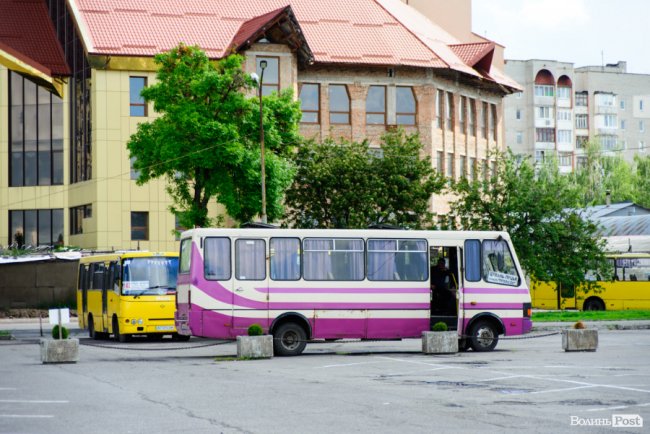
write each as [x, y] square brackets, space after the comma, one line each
[116, 332]
[483, 336]
[594, 304]
[289, 340]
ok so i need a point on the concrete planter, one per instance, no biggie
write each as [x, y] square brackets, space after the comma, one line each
[59, 350]
[580, 339]
[255, 347]
[439, 342]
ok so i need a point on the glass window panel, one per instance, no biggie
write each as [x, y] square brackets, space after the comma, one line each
[333, 259]
[17, 229]
[397, 260]
[405, 100]
[498, 264]
[216, 258]
[271, 77]
[57, 227]
[30, 168]
[186, 255]
[376, 99]
[16, 89]
[309, 117]
[339, 98]
[406, 119]
[16, 169]
[57, 163]
[136, 85]
[57, 123]
[44, 168]
[285, 258]
[473, 260]
[339, 118]
[309, 97]
[44, 227]
[31, 229]
[17, 127]
[375, 119]
[250, 260]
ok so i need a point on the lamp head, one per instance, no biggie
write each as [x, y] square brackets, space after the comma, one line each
[263, 64]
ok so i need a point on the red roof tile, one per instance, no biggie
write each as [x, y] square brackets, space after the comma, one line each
[27, 33]
[372, 32]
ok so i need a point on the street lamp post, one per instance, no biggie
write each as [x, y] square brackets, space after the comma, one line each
[263, 65]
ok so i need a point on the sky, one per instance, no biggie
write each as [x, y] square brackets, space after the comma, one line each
[583, 32]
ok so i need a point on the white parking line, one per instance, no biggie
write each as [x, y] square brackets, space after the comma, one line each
[537, 392]
[620, 407]
[27, 416]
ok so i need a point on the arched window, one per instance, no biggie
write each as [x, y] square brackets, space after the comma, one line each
[564, 86]
[544, 83]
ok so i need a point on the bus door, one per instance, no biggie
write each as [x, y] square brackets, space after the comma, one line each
[103, 286]
[446, 292]
[110, 298]
[83, 289]
[250, 285]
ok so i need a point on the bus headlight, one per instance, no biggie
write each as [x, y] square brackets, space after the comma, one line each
[140, 322]
[133, 321]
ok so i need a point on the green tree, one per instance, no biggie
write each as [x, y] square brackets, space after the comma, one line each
[205, 142]
[351, 185]
[642, 180]
[553, 242]
[604, 173]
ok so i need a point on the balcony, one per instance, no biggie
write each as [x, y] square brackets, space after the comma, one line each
[544, 123]
[605, 110]
[564, 102]
[544, 100]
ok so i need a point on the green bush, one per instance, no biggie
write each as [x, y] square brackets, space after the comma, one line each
[255, 330]
[55, 332]
[439, 327]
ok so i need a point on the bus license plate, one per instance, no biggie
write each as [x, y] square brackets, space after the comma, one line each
[164, 327]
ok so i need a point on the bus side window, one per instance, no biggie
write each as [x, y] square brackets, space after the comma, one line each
[472, 260]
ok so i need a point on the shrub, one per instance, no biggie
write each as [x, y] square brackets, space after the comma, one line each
[579, 325]
[439, 327]
[55, 332]
[255, 330]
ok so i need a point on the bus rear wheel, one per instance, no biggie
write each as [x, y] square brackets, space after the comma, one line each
[116, 332]
[92, 333]
[289, 340]
[594, 304]
[483, 336]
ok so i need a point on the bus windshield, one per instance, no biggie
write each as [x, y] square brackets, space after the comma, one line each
[149, 276]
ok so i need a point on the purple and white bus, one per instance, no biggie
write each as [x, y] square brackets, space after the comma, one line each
[313, 284]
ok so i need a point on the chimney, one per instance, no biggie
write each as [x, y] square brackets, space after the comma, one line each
[608, 198]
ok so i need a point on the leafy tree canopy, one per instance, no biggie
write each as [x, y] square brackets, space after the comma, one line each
[551, 239]
[206, 141]
[604, 173]
[351, 185]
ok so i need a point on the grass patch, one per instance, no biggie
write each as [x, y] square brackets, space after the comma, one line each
[605, 315]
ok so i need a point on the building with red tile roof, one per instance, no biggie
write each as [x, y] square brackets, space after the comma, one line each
[447, 86]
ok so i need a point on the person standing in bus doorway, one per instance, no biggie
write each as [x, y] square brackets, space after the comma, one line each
[440, 278]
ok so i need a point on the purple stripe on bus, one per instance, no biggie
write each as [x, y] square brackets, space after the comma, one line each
[216, 290]
[495, 291]
[211, 324]
[485, 306]
[345, 290]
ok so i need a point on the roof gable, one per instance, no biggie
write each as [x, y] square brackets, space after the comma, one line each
[279, 26]
[27, 33]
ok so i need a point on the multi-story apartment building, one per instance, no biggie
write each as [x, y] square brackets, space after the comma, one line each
[563, 107]
[70, 98]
